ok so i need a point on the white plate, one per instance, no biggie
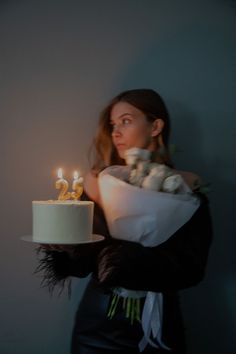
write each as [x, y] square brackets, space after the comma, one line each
[95, 238]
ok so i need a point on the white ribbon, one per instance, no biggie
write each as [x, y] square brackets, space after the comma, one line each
[152, 321]
[152, 316]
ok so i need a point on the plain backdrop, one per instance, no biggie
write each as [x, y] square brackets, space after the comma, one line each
[61, 61]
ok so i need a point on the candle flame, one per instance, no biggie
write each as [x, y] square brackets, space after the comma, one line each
[60, 173]
[76, 175]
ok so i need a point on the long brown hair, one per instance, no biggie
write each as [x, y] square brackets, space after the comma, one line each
[152, 105]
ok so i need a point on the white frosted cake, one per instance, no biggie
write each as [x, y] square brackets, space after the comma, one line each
[62, 222]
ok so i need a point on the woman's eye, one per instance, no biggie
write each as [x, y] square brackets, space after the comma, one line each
[126, 121]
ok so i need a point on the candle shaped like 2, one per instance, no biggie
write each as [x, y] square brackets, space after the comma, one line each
[77, 186]
[62, 184]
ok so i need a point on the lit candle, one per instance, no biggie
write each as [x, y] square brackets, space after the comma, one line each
[77, 186]
[62, 184]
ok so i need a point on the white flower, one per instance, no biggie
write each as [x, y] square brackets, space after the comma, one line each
[156, 176]
[138, 173]
[152, 182]
[134, 154]
[157, 169]
[135, 179]
[172, 183]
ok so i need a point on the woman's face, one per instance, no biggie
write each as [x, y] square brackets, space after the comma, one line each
[130, 128]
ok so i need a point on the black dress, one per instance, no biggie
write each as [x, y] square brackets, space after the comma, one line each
[176, 264]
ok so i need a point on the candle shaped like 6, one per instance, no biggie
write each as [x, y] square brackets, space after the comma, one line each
[77, 186]
[63, 185]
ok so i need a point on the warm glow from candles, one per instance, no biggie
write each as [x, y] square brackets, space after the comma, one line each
[60, 173]
[77, 186]
[76, 175]
[62, 184]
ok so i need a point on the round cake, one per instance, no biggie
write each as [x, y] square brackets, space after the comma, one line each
[62, 222]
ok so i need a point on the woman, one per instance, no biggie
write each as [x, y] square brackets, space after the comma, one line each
[135, 118]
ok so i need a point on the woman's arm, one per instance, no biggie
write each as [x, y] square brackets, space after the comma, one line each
[176, 264]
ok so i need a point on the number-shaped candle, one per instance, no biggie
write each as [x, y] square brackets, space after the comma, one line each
[62, 184]
[77, 186]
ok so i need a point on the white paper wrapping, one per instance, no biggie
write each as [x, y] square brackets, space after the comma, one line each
[140, 215]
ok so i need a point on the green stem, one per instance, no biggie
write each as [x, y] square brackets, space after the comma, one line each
[138, 310]
[132, 310]
[112, 304]
[115, 306]
[128, 307]
[124, 303]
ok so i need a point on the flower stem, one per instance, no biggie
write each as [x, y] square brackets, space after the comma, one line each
[124, 303]
[133, 303]
[113, 301]
[115, 306]
[128, 307]
[138, 310]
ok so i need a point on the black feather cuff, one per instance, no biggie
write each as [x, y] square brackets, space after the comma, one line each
[54, 267]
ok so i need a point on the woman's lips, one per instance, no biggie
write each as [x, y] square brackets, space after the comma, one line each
[120, 146]
[118, 143]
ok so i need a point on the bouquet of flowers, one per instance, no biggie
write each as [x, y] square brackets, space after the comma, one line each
[139, 201]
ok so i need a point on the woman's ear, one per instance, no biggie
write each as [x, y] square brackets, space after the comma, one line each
[157, 127]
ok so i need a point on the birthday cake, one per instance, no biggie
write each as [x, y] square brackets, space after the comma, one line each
[62, 222]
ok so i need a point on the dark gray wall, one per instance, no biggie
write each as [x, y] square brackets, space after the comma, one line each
[60, 62]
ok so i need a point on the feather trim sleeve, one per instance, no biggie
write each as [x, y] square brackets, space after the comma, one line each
[54, 269]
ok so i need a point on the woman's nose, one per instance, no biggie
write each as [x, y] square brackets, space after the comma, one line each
[116, 130]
